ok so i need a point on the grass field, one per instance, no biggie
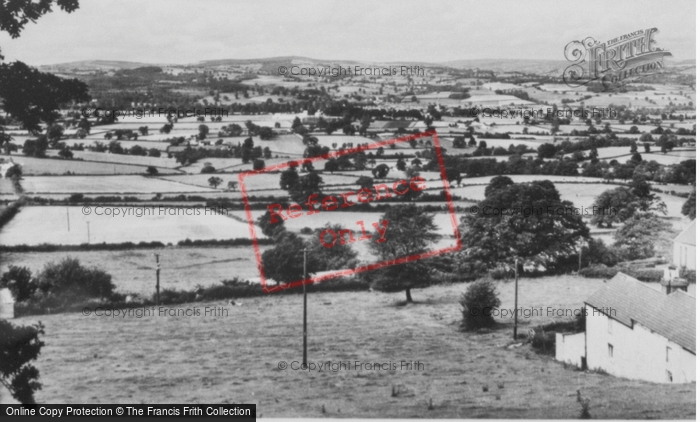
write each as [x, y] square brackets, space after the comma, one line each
[39, 166]
[70, 226]
[133, 271]
[105, 185]
[235, 358]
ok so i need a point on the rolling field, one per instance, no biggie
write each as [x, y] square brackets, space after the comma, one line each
[37, 225]
[235, 358]
[39, 166]
[105, 185]
[133, 271]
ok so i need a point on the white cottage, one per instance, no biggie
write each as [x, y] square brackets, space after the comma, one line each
[635, 331]
[684, 248]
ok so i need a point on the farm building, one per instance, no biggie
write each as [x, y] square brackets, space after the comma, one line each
[684, 248]
[635, 331]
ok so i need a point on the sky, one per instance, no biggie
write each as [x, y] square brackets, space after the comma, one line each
[187, 31]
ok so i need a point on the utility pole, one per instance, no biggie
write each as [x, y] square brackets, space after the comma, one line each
[88, 227]
[580, 254]
[68, 218]
[157, 279]
[304, 286]
[515, 328]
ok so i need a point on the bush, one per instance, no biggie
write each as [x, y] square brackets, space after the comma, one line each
[19, 281]
[544, 342]
[479, 299]
[70, 280]
[641, 274]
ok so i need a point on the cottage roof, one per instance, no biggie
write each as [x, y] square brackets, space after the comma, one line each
[627, 299]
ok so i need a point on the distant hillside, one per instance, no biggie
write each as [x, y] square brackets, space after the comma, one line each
[95, 65]
[512, 65]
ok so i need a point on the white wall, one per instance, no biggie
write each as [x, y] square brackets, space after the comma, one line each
[570, 348]
[638, 353]
[684, 255]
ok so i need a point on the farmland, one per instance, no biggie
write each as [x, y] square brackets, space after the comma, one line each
[114, 224]
[133, 271]
[85, 361]
[105, 185]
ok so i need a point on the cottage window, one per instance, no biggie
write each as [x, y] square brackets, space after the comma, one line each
[610, 350]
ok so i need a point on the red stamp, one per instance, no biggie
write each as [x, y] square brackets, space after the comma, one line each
[330, 237]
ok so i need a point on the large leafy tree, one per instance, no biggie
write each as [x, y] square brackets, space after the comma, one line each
[33, 97]
[525, 220]
[19, 346]
[614, 206]
[642, 236]
[409, 231]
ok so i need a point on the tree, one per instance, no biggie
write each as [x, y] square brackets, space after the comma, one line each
[14, 172]
[208, 168]
[614, 206]
[365, 182]
[65, 153]
[19, 281]
[331, 165]
[546, 151]
[36, 148]
[68, 281]
[258, 164]
[215, 181]
[647, 200]
[497, 183]
[232, 185]
[269, 227]
[151, 170]
[289, 178]
[33, 97]
[478, 302]
[284, 263]
[339, 257]
[524, 220]
[401, 165]
[689, 206]
[19, 346]
[647, 147]
[381, 171]
[459, 142]
[639, 237]
[307, 185]
[409, 230]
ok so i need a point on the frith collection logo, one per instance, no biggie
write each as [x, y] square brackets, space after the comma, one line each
[614, 63]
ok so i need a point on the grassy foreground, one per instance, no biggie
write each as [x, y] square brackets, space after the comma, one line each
[235, 359]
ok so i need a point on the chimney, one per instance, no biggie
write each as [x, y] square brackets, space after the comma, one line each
[672, 281]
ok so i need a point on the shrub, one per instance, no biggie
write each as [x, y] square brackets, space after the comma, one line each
[68, 279]
[476, 303]
[19, 281]
[544, 341]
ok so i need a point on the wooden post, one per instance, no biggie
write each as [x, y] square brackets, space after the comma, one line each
[157, 279]
[68, 218]
[515, 328]
[580, 255]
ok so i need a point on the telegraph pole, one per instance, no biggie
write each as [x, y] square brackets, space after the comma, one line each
[515, 328]
[580, 255]
[68, 218]
[157, 279]
[304, 286]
